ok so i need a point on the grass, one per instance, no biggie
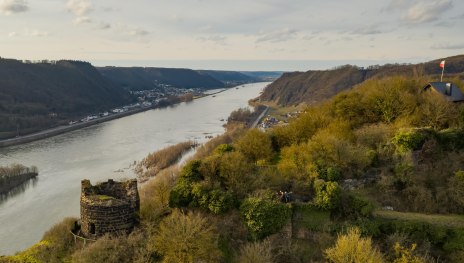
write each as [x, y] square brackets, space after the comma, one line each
[309, 217]
[453, 221]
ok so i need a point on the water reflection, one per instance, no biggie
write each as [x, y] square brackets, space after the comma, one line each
[18, 189]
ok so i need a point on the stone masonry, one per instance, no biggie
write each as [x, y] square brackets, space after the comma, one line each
[109, 207]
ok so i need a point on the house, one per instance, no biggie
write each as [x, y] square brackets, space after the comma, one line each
[450, 91]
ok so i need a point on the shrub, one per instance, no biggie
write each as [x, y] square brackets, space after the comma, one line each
[327, 194]
[186, 238]
[256, 252]
[352, 248]
[408, 140]
[215, 200]
[223, 148]
[329, 173]
[354, 207]
[264, 217]
[181, 194]
[109, 249]
[255, 145]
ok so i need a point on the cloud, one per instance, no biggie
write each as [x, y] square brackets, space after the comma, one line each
[277, 36]
[27, 32]
[448, 46]
[79, 8]
[368, 30]
[138, 32]
[220, 40]
[9, 7]
[422, 13]
[82, 20]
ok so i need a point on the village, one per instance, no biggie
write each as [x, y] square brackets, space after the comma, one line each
[146, 99]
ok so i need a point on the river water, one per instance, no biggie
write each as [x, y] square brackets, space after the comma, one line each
[99, 153]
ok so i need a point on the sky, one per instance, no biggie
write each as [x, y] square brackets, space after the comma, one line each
[233, 34]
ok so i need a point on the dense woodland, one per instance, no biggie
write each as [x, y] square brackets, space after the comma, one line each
[138, 78]
[375, 174]
[36, 96]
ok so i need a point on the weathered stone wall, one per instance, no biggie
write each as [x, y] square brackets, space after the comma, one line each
[109, 207]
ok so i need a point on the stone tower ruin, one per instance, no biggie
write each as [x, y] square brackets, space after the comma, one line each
[109, 207]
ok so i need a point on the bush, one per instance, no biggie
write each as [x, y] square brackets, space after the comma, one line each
[256, 252]
[186, 238]
[181, 194]
[223, 148]
[215, 200]
[352, 248]
[255, 145]
[111, 249]
[327, 194]
[329, 173]
[408, 140]
[354, 207]
[264, 217]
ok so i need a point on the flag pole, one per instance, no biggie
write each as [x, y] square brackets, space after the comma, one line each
[442, 70]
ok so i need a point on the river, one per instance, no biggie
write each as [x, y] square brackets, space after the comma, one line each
[99, 153]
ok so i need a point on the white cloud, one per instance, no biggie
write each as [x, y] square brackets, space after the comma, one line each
[422, 13]
[9, 7]
[277, 36]
[82, 20]
[79, 8]
[138, 32]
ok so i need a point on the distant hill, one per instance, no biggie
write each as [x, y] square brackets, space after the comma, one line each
[35, 96]
[228, 77]
[263, 75]
[241, 77]
[138, 78]
[317, 85]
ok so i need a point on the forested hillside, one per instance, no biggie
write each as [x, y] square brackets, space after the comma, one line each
[137, 78]
[317, 85]
[35, 96]
[375, 174]
[228, 77]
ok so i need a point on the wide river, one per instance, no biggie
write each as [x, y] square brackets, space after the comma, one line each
[98, 153]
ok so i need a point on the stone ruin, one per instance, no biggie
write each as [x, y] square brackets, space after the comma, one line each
[109, 207]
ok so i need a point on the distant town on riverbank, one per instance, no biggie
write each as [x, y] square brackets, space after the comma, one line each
[44, 94]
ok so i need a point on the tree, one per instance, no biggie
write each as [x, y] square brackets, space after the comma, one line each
[186, 238]
[352, 248]
[237, 173]
[327, 194]
[255, 145]
[264, 217]
[181, 194]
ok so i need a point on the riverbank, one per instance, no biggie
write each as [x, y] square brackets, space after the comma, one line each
[68, 128]
[63, 129]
